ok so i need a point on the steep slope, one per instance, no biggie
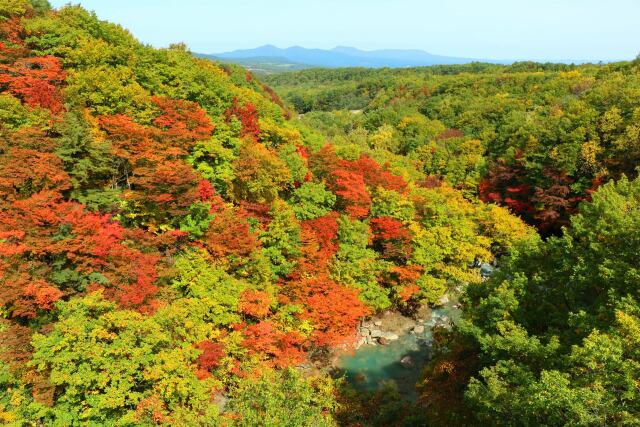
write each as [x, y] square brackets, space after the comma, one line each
[169, 240]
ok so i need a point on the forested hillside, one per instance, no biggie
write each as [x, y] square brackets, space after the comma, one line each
[553, 337]
[537, 138]
[178, 248]
[168, 238]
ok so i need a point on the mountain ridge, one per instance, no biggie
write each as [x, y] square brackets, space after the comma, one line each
[346, 56]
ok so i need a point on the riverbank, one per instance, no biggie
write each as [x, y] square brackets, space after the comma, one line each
[392, 348]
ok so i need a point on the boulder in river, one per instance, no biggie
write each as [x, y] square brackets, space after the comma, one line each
[383, 341]
[406, 361]
[389, 336]
[378, 323]
[418, 329]
[375, 333]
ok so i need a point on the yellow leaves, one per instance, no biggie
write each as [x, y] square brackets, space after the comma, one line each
[384, 139]
[589, 152]
[573, 74]
[503, 228]
[275, 134]
[630, 327]
[10, 8]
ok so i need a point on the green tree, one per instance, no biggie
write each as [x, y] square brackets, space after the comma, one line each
[312, 200]
[284, 399]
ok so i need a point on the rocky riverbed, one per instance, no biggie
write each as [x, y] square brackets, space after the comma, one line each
[393, 347]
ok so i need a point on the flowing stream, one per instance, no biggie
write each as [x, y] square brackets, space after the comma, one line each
[369, 367]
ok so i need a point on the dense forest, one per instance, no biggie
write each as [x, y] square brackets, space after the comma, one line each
[181, 246]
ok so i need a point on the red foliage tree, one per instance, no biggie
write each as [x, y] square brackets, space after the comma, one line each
[545, 200]
[391, 238]
[35, 80]
[352, 193]
[43, 234]
[255, 303]
[27, 171]
[324, 161]
[181, 123]
[209, 359]
[334, 309]
[374, 175]
[280, 349]
[248, 117]
[230, 238]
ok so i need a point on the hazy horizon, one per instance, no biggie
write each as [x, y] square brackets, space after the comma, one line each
[495, 29]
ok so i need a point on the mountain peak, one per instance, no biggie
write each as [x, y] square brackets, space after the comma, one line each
[346, 56]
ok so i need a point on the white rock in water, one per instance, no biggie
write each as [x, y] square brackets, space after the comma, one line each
[378, 323]
[418, 329]
[406, 361]
[390, 336]
[375, 333]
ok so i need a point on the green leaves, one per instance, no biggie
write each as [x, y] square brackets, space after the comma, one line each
[312, 200]
[283, 399]
[558, 326]
[199, 278]
[107, 362]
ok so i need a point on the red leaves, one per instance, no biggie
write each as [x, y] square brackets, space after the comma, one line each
[282, 349]
[167, 188]
[156, 177]
[391, 238]
[182, 122]
[325, 230]
[212, 354]
[248, 117]
[352, 193]
[36, 295]
[387, 228]
[228, 237]
[205, 191]
[42, 228]
[374, 175]
[352, 181]
[35, 80]
[255, 303]
[546, 203]
[333, 309]
[25, 171]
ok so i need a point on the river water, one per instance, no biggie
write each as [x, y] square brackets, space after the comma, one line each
[369, 367]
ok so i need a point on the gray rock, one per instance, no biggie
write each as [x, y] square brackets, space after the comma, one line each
[486, 269]
[378, 323]
[406, 361]
[390, 336]
[375, 333]
[364, 331]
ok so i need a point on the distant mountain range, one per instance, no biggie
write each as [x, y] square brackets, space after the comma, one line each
[296, 57]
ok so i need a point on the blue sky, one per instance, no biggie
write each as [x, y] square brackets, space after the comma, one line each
[492, 29]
